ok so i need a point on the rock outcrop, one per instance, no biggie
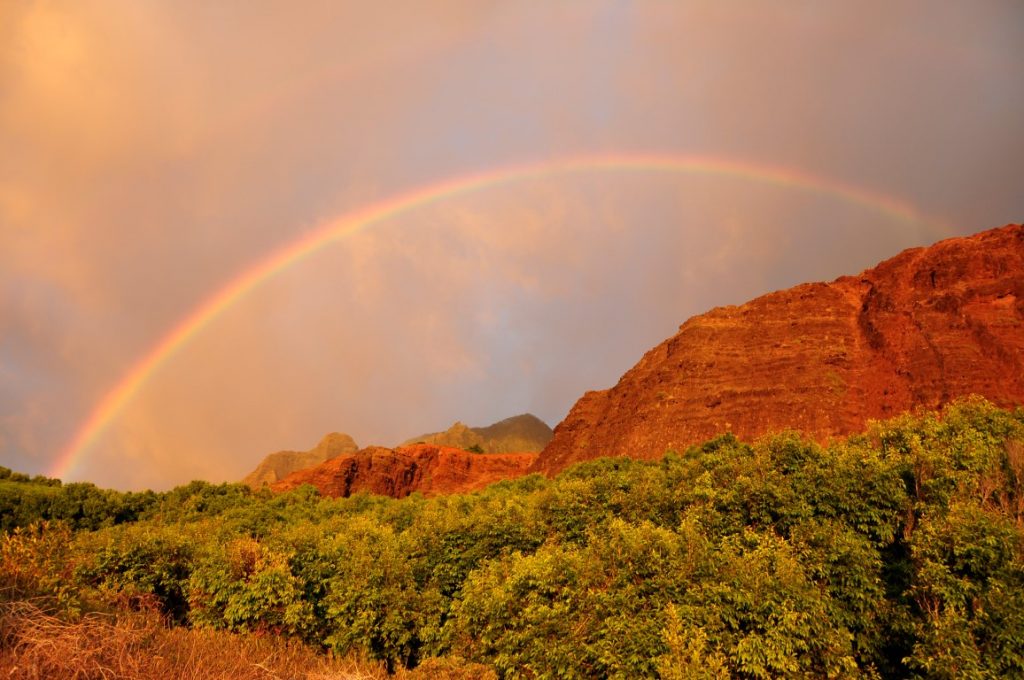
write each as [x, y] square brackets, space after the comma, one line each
[277, 466]
[426, 468]
[918, 330]
[520, 433]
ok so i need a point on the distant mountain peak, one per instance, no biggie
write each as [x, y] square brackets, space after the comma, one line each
[522, 433]
[277, 466]
[336, 443]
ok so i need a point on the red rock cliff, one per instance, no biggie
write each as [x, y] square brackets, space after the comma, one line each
[426, 468]
[919, 329]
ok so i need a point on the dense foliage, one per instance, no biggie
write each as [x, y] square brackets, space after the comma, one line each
[24, 500]
[896, 553]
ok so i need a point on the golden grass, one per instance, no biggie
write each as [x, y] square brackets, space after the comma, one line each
[137, 646]
[35, 645]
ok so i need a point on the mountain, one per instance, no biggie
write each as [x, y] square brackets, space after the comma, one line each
[525, 432]
[279, 465]
[915, 331]
[427, 468]
[431, 464]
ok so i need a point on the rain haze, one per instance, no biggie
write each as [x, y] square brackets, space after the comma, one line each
[154, 152]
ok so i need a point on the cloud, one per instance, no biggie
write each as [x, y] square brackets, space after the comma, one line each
[152, 151]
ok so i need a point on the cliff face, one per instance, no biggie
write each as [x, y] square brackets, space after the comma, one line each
[520, 433]
[279, 465]
[426, 468]
[917, 330]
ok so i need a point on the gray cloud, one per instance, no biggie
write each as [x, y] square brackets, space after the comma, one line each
[153, 151]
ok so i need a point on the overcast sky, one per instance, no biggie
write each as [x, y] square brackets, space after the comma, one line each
[152, 151]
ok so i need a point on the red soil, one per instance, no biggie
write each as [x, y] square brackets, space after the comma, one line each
[426, 468]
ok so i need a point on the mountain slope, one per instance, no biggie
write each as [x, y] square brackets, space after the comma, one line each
[524, 432]
[917, 330]
[426, 468]
[279, 465]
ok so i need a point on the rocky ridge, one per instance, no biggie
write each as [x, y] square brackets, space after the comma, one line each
[277, 466]
[520, 433]
[918, 330]
[426, 468]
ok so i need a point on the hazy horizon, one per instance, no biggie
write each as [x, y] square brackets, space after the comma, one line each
[155, 151]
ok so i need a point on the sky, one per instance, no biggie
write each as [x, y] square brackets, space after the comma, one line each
[155, 151]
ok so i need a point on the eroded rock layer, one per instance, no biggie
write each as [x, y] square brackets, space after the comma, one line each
[426, 468]
[918, 330]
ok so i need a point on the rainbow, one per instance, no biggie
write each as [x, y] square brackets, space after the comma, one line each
[332, 230]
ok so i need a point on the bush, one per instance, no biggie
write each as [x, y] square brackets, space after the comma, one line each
[893, 553]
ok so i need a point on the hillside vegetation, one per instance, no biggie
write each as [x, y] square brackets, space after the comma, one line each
[895, 553]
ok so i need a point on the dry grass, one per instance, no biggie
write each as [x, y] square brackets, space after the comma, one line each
[35, 646]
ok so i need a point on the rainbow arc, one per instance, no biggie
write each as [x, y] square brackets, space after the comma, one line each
[340, 227]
